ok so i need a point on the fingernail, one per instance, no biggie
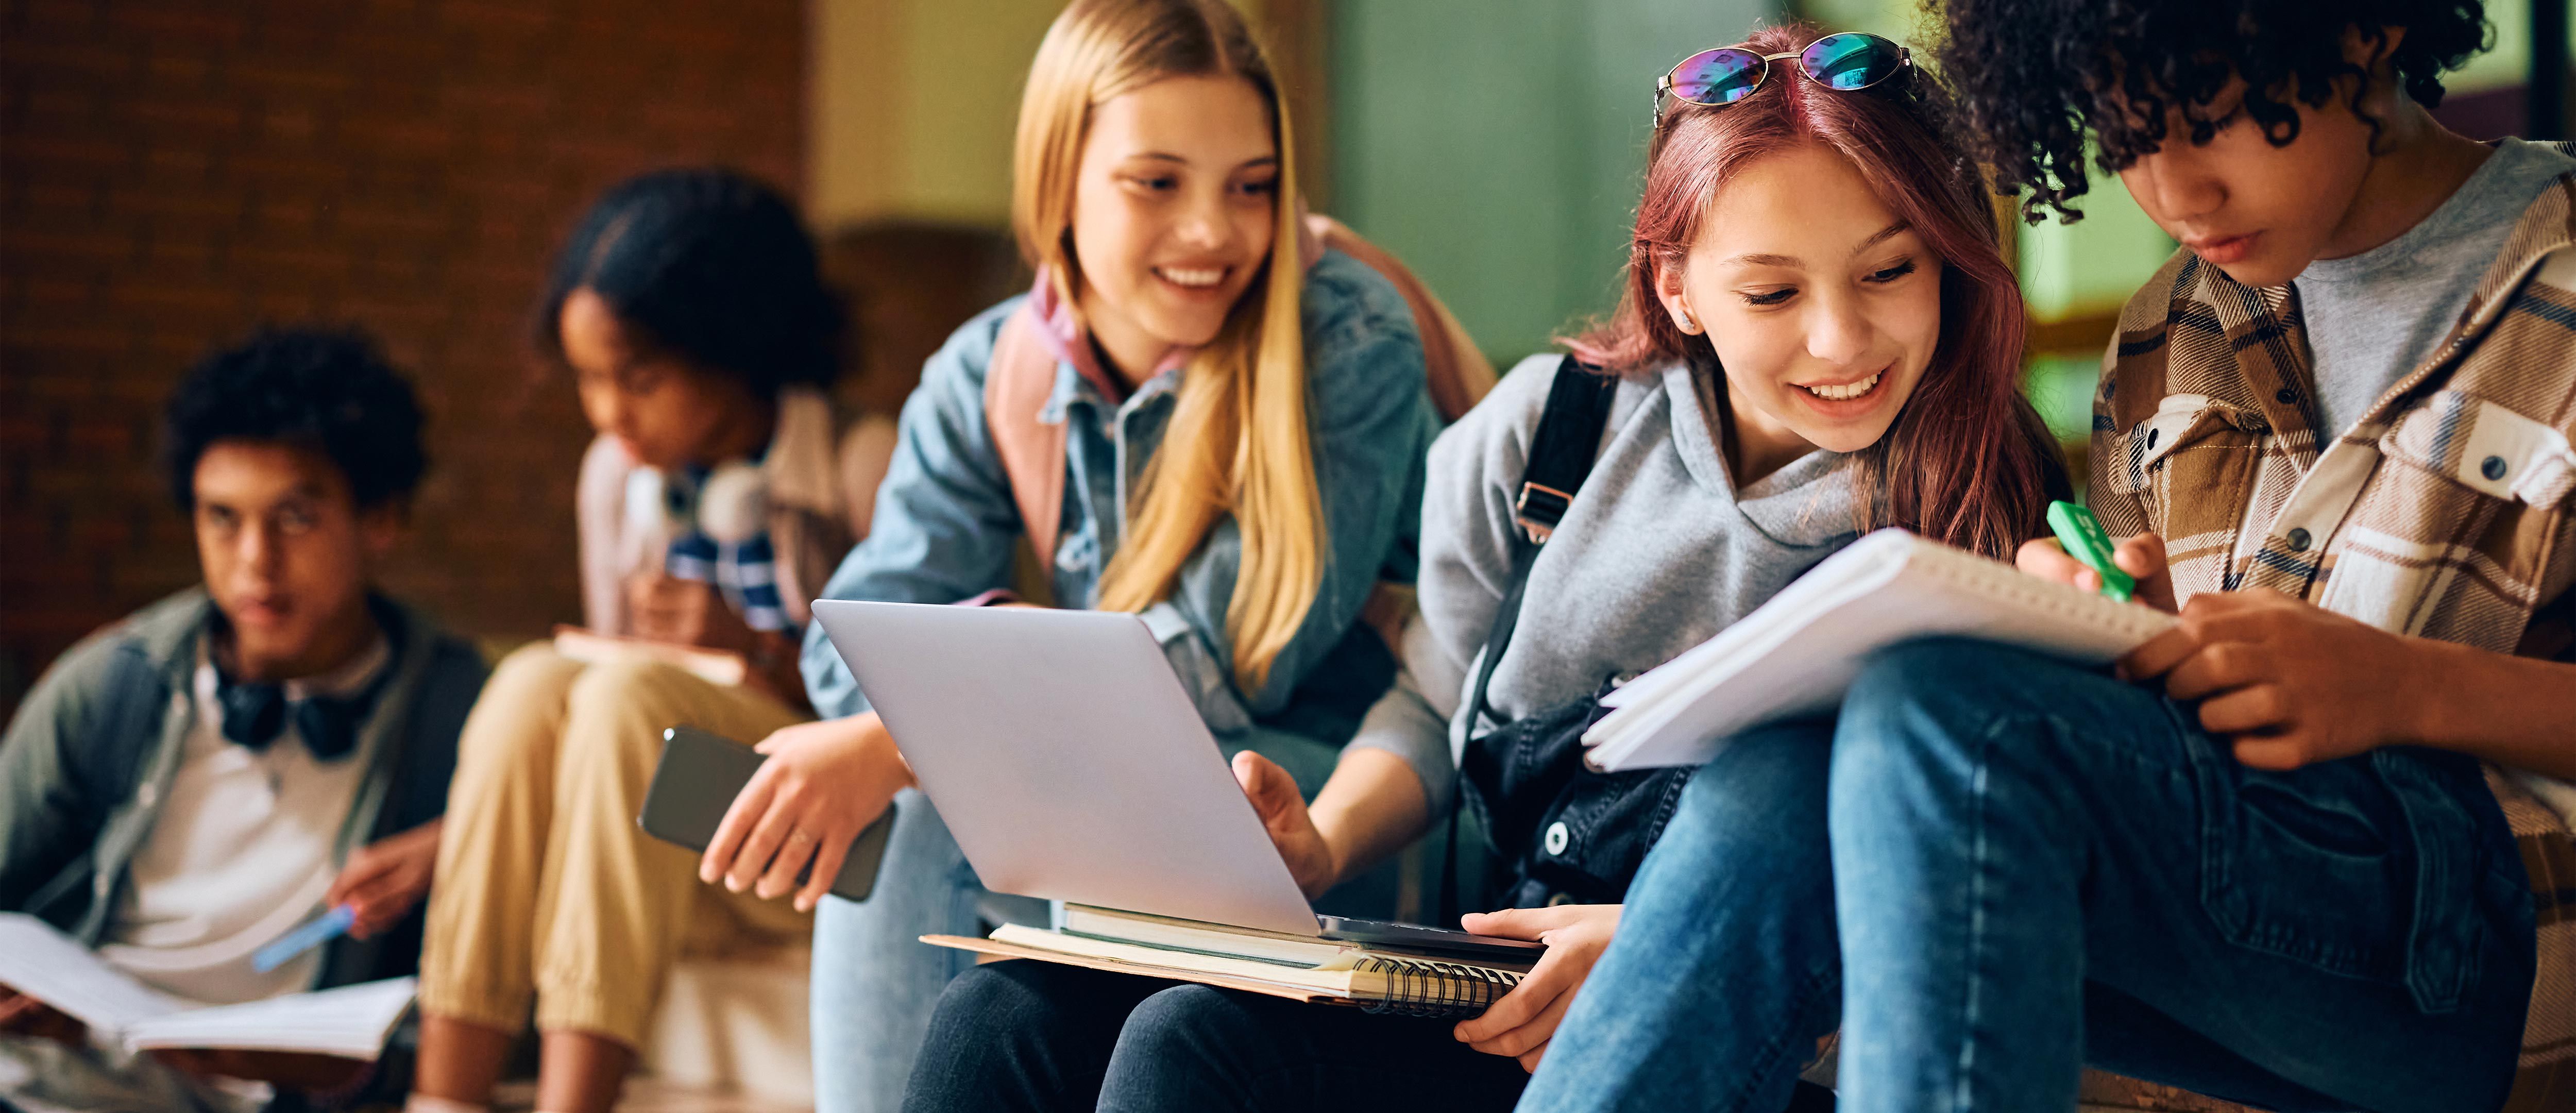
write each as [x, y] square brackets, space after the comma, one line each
[733, 884]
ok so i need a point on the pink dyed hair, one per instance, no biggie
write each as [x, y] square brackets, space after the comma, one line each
[1967, 461]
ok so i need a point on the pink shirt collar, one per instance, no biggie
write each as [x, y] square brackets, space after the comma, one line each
[1066, 341]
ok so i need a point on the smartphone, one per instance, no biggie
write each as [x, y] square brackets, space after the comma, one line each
[697, 780]
[1424, 937]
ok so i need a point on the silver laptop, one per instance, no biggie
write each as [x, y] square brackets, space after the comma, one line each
[1066, 759]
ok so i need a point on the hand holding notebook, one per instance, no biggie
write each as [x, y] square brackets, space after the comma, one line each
[1797, 653]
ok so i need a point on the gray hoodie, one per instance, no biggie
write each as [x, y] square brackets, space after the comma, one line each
[1657, 554]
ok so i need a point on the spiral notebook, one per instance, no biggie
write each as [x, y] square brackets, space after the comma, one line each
[1378, 979]
[1796, 654]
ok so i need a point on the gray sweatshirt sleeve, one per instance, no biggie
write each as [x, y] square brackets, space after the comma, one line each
[1466, 567]
[1411, 720]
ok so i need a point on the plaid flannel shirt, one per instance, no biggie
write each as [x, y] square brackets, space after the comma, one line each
[2442, 514]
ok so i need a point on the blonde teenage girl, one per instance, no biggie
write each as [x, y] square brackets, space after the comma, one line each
[1244, 420]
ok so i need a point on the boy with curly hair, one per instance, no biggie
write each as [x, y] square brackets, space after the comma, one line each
[2308, 850]
[190, 784]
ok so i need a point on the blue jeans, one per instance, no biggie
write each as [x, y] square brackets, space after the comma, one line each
[2001, 868]
[875, 982]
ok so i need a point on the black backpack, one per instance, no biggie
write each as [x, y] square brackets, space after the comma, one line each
[1558, 831]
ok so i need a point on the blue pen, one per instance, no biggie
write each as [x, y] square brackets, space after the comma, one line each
[329, 926]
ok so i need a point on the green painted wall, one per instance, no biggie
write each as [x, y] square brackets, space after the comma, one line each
[2092, 265]
[967, 64]
[1496, 145]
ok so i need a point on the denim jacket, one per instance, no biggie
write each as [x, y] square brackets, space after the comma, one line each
[946, 527]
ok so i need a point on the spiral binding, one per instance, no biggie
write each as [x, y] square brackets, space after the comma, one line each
[1420, 987]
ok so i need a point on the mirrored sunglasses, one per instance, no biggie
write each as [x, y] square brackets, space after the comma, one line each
[1845, 62]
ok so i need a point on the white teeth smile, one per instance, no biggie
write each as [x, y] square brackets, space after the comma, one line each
[1847, 391]
[1179, 276]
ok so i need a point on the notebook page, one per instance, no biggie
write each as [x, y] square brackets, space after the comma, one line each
[45, 964]
[1862, 568]
[351, 1021]
[1807, 647]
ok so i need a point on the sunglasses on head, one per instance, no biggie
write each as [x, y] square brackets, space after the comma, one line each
[1849, 61]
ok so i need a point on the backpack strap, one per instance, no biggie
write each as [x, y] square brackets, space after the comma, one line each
[1560, 459]
[1561, 454]
[1016, 388]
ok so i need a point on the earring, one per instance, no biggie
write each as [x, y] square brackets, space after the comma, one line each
[1690, 324]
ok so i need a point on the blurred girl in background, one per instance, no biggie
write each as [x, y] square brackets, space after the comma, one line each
[721, 490]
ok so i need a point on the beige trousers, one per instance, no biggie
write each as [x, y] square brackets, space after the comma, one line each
[545, 886]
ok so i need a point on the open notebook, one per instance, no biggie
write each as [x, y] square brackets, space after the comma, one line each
[351, 1021]
[1797, 653]
[715, 666]
[1377, 978]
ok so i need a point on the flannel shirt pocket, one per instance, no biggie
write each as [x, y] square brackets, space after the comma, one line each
[2193, 465]
[2189, 426]
[2486, 448]
[2191, 439]
[2465, 488]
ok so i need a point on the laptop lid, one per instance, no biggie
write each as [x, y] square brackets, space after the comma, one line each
[1066, 759]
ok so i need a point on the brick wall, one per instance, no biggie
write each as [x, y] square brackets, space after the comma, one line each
[173, 173]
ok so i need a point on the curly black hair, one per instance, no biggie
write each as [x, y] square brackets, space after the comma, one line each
[2035, 77]
[331, 391]
[711, 265]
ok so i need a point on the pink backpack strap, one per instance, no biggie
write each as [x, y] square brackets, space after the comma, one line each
[1454, 367]
[1016, 388]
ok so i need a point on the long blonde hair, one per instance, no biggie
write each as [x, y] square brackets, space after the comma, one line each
[1237, 440]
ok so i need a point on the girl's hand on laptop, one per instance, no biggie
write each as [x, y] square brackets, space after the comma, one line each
[824, 782]
[1371, 808]
[1522, 1022]
[1283, 813]
[2142, 556]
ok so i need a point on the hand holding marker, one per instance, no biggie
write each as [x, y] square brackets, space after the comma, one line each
[323, 929]
[2081, 533]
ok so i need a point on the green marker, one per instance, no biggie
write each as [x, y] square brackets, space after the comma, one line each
[2081, 533]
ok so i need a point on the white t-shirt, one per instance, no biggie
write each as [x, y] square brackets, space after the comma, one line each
[243, 852]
